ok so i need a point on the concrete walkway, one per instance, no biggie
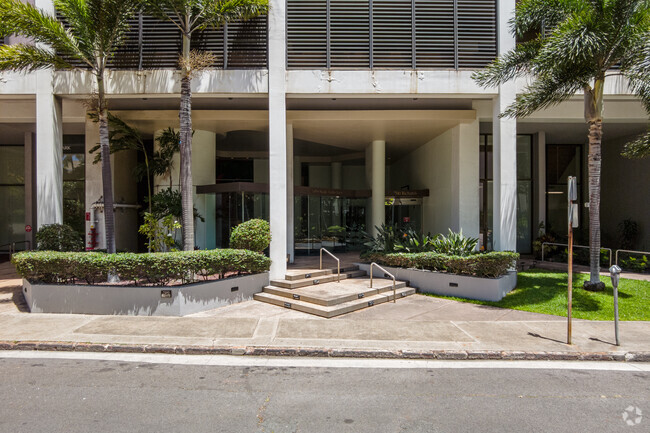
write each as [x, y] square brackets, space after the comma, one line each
[415, 327]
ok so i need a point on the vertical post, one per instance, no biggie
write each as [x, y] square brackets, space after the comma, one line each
[49, 152]
[615, 273]
[277, 138]
[572, 196]
[505, 146]
[378, 184]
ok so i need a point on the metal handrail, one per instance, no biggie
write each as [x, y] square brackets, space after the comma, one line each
[12, 246]
[338, 263]
[630, 251]
[386, 273]
[577, 246]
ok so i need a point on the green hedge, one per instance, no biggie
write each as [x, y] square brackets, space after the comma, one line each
[486, 265]
[142, 269]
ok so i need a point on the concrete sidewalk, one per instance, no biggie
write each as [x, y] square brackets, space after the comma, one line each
[414, 327]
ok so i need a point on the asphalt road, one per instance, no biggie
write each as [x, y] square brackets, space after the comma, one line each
[57, 395]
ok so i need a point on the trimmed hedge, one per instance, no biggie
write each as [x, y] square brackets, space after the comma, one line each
[254, 235]
[158, 269]
[485, 265]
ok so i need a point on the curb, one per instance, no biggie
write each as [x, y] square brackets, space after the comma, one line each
[329, 353]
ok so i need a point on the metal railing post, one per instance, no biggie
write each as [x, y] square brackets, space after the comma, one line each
[373, 264]
[338, 264]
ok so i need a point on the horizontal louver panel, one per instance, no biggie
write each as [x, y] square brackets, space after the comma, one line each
[307, 34]
[247, 44]
[477, 43]
[445, 34]
[434, 34]
[392, 32]
[349, 36]
[160, 47]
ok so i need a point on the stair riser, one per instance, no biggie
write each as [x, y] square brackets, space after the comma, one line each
[320, 273]
[366, 293]
[314, 310]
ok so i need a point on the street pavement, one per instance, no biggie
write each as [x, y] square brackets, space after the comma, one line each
[146, 393]
[416, 327]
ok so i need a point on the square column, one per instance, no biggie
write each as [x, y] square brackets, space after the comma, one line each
[465, 179]
[378, 185]
[277, 138]
[49, 152]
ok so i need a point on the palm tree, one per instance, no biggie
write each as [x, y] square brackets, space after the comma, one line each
[94, 30]
[576, 45]
[191, 16]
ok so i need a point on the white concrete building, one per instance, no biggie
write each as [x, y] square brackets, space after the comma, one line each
[328, 118]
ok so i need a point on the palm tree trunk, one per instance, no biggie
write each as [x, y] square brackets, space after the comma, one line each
[594, 117]
[107, 177]
[186, 151]
[594, 164]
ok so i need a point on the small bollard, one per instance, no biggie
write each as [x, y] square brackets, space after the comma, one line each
[615, 275]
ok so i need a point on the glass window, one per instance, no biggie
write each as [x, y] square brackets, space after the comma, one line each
[562, 161]
[12, 194]
[74, 175]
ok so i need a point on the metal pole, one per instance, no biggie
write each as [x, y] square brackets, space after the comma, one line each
[570, 294]
[618, 343]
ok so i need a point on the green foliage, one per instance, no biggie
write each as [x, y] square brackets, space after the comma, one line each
[394, 239]
[169, 202]
[253, 235]
[157, 269]
[454, 244]
[486, 265]
[58, 237]
[163, 159]
[635, 264]
[545, 292]
[160, 232]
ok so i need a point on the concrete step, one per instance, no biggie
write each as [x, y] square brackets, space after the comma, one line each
[333, 310]
[303, 274]
[334, 293]
[313, 281]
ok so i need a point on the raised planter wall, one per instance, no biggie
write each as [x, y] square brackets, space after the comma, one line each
[462, 286]
[142, 300]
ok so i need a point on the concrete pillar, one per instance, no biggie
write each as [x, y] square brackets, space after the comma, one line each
[504, 131]
[49, 152]
[204, 173]
[378, 185]
[290, 196]
[337, 178]
[277, 138]
[159, 182]
[465, 179]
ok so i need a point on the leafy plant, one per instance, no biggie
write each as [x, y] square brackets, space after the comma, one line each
[485, 265]
[59, 237]
[414, 242]
[163, 159]
[253, 235]
[542, 237]
[454, 244]
[158, 269]
[160, 232]
[636, 264]
[386, 240]
[168, 202]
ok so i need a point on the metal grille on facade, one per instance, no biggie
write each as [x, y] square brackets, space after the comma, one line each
[154, 44]
[426, 34]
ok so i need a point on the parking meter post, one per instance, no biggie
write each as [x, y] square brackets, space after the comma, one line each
[615, 274]
[572, 196]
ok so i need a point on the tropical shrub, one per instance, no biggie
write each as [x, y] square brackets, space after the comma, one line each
[158, 269]
[454, 244]
[485, 265]
[253, 235]
[58, 237]
[160, 232]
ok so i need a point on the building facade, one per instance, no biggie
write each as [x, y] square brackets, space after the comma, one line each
[328, 118]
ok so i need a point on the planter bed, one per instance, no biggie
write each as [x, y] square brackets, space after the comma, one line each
[142, 300]
[462, 286]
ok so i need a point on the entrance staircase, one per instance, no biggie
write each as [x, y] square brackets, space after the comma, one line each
[319, 292]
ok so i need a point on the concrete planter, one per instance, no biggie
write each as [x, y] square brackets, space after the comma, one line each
[140, 300]
[482, 289]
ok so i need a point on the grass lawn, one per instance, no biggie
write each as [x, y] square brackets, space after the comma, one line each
[542, 291]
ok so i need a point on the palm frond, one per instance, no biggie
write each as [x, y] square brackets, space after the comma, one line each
[26, 20]
[29, 58]
[512, 64]
[544, 92]
[639, 148]
[220, 12]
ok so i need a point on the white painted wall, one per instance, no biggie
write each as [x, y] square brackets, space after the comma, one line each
[204, 173]
[448, 167]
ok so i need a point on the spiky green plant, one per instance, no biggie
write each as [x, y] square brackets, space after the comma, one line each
[191, 16]
[95, 29]
[576, 46]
